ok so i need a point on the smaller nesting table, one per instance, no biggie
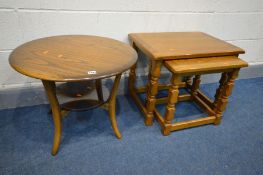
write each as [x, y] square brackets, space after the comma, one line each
[74, 58]
[229, 67]
[184, 54]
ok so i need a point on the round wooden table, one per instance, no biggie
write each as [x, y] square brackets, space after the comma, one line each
[74, 58]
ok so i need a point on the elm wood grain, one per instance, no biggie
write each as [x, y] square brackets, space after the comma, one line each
[178, 45]
[58, 113]
[50, 88]
[71, 57]
[112, 106]
[99, 89]
[197, 67]
[172, 46]
[75, 89]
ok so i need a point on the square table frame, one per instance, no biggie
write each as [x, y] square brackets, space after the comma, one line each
[152, 87]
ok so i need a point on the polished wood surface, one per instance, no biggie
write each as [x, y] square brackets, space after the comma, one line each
[112, 106]
[160, 47]
[228, 66]
[50, 88]
[176, 45]
[204, 64]
[72, 58]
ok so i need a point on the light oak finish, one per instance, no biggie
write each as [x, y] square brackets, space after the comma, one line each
[204, 64]
[152, 91]
[178, 45]
[74, 58]
[163, 46]
[197, 66]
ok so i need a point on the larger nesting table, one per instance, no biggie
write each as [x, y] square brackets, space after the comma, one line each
[72, 58]
[164, 46]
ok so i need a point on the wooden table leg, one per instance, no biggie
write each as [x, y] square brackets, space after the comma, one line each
[188, 81]
[50, 89]
[152, 90]
[219, 90]
[224, 94]
[99, 89]
[112, 106]
[172, 100]
[132, 77]
[195, 85]
[132, 73]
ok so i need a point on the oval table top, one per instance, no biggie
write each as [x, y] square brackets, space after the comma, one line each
[72, 58]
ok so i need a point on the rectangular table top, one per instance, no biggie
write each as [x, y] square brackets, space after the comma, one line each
[177, 45]
[195, 65]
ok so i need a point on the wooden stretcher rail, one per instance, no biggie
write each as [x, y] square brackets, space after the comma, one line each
[143, 89]
[193, 123]
[205, 99]
[164, 100]
[138, 101]
[203, 105]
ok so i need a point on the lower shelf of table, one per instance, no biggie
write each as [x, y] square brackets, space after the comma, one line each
[82, 105]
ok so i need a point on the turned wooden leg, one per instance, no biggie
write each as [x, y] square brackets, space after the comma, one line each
[224, 94]
[222, 82]
[132, 77]
[172, 100]
[112, 106]
[148, 84]
[50, 89]
[152, 90]
[189, 81]
[99, 90]
[195, 85]
[132, 73]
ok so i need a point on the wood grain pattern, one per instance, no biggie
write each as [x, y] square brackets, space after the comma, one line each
[71, 57]
[50, 88]
[112, 106]
[224, 94]
[229, 67]
[185, 54]
[204, 64]
[172, 100]
[219, 90]
[152, 89]
[176, 45]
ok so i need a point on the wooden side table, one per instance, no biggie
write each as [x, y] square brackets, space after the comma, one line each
[74, 58]
[228, 66]
[160, 47]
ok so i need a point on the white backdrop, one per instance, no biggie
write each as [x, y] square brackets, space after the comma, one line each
[237, 21]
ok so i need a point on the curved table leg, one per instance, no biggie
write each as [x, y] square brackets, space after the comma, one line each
[50, 89]
[112, 106]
